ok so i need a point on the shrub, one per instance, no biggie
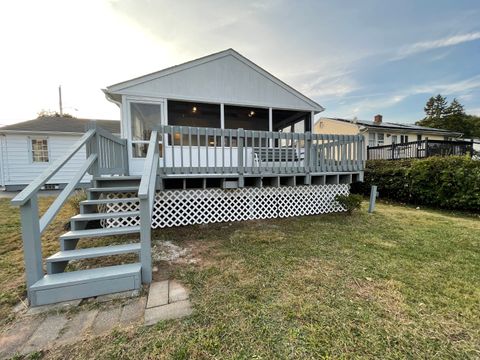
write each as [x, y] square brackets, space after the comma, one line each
[447, 182]
[350, 202]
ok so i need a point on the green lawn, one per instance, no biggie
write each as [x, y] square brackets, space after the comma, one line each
[402, 283]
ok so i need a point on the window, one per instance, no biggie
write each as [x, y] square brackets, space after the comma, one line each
[144, 118]
[39, 150]
[404, 139]
[419, 137]
[380, 139]
[394, 139]
[371, 139]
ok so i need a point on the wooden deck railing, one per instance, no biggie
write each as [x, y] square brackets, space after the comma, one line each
[191, 150]
[419, 149]
[103, 150]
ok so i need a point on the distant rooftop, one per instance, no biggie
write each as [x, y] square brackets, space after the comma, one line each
[397, 126]
[61, 124]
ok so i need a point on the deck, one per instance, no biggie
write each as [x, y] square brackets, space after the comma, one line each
[208, 157]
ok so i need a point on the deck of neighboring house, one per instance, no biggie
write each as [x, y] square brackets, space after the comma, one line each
[420, 149]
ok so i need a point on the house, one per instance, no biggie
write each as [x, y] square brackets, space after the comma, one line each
[385, 140]
[28, 148]
[211, 140]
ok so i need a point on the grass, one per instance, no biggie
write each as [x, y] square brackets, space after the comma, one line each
[401, 283]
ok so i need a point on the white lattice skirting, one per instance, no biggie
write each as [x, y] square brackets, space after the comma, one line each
[203, 206]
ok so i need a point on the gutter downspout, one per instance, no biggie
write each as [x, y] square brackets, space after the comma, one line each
[2, 162]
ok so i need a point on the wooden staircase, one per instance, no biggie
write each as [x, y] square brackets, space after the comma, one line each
[60, 285]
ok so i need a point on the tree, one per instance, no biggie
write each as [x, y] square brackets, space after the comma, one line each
[51, 113]
[455, 108]
[439, 114]
[436, 107]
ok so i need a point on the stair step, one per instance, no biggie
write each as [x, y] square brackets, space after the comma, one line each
[85, 283]
[124, 177]
[109, 201]
[98, 216]
[94, 252]
[114, 189]
[77, 234]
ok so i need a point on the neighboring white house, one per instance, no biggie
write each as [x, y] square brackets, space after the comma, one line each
[28, 148]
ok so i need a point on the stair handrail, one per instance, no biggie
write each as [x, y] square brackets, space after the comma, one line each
[146, 194]
[41, 180]
[32, 225]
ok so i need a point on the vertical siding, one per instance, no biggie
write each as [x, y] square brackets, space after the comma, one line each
[19, 169]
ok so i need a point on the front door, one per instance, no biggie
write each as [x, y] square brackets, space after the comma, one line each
[143, 117]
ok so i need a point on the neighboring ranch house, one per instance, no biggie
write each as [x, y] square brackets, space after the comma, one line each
[378, 133]
[216, 139]
[29, 147]
[381, 135]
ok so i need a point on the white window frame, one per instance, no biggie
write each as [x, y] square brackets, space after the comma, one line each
[127, 113]
[30, 149]
[378, 139]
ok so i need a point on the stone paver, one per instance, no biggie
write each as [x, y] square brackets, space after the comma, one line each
[77, 326]
[45, 334]
[133, 312]
[166, 312]
[176, 292]
[117, 296]
[12, 339]
[106, 320]
[53, 307]
[158, 294]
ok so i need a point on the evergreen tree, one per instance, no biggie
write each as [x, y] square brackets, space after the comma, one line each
[441, 115]
[436, 107]
[455, 108]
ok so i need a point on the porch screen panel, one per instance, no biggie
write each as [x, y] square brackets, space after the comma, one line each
[144, 118]
[193, 114]
[247, 118]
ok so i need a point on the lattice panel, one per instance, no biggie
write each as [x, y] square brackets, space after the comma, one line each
[204, 206]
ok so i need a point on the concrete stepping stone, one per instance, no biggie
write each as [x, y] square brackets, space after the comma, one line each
[176, 292]
[17, 335]
[106, 320]
[133, 312]
[167, 312]
[77, 326]
[158, 294]
[45, 334]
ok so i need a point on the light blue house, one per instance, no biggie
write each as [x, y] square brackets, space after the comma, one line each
[214, 139]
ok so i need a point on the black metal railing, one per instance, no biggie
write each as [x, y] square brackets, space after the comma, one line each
[419, 149]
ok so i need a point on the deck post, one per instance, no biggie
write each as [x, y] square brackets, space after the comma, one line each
[32, 245]
[93, 148]
[270, 126]
[308, 161]
[240, 160]
[146, 240]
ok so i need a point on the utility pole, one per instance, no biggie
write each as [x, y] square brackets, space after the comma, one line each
[60, 99]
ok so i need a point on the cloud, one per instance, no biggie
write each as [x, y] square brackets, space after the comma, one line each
[423, 46]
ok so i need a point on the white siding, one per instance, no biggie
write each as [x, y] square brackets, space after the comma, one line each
[223, 80]
[19, 168]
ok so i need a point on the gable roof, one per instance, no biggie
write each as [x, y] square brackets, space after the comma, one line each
[397, 126]
[60, 124]
[126, 85]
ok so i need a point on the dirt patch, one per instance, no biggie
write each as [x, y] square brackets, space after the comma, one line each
[384, 293]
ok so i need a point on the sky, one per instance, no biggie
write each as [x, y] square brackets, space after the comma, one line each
[355, 58]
